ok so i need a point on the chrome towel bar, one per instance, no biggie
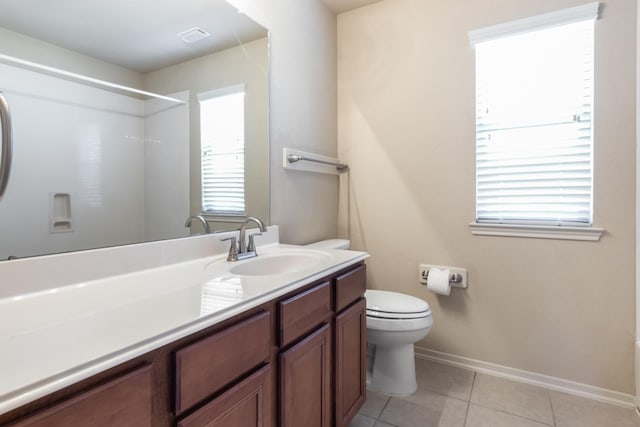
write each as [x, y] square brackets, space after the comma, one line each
[292, 158]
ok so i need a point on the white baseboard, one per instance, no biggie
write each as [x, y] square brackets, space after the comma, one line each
[545, 381]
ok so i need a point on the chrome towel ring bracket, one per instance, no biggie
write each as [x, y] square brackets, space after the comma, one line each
[6, 150]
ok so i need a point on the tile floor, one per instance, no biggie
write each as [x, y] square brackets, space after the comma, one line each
[453, 397]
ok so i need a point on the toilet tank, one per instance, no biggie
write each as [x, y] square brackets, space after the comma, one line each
[331, 244]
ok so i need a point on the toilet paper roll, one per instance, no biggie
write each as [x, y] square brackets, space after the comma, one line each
[438, 281]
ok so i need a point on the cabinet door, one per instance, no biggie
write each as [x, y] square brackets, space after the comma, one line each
[248, 404]
[122, 402]
[350, 390]
[305, 382]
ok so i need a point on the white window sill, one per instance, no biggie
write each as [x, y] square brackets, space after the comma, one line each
[537, 231]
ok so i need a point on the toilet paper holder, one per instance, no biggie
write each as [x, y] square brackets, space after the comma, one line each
[453, 277]
[457, 276]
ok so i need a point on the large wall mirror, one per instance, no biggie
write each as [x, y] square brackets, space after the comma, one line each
[96, 164]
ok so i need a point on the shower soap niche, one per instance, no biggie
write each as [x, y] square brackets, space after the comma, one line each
[60, 219]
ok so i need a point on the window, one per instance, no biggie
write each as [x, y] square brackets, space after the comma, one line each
[222, 151]
[534, 109]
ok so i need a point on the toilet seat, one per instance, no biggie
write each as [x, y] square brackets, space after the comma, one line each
[399, 325]
[395, 306]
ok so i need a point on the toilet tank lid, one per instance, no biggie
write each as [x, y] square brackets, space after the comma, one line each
[331, 244]
[394, 302]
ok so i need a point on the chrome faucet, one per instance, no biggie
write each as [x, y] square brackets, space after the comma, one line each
[200, 218]
[242, 244]
[244, 250]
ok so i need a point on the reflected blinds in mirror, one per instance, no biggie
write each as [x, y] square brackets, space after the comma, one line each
[222, 151]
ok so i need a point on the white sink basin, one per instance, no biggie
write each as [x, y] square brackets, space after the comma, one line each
[277, 263]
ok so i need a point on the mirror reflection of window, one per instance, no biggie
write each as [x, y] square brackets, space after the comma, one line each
[222, 151]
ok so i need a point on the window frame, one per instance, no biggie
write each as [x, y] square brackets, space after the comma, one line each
[527, 229]
[203, 97]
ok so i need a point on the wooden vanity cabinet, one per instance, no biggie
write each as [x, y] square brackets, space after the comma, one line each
[298, 360]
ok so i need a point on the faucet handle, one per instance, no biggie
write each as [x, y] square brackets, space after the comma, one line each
[233, 250]
[251, 247]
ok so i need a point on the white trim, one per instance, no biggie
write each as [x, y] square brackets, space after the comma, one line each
[561, 17]
[545, 381]
[592, 234]
[82, 78]
[227, 90]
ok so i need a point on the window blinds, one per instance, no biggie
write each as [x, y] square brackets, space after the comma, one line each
[534, 144]
[222, 152]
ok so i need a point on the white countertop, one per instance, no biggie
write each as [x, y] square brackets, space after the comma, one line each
[53, 338]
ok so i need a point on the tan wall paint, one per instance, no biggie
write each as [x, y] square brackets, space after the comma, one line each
[406, 126]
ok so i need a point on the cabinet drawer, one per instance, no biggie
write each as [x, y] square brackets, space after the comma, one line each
[350, 286]
[122, 402]
[246, 404]
[303, 312]
[208, 365]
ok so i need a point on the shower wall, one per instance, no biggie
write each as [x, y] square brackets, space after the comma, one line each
[166, 173]
[78, 173]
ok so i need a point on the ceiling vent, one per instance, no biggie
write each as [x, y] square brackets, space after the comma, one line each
[193, 35]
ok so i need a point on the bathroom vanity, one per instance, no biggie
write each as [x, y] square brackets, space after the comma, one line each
[287, 347]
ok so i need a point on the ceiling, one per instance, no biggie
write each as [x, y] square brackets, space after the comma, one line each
[339, 6]
[139, 35]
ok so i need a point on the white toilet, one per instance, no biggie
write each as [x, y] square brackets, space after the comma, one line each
[395, 322]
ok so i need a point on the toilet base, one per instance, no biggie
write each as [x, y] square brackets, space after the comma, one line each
[394, 370]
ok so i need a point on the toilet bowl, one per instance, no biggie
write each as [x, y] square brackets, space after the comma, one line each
[395, 322]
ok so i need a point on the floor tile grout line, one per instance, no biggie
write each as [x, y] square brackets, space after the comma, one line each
[383, 408]
[442, 394]
[553, 410]
[466, 415]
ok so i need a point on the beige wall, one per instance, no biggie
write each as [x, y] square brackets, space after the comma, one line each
[406, 127]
